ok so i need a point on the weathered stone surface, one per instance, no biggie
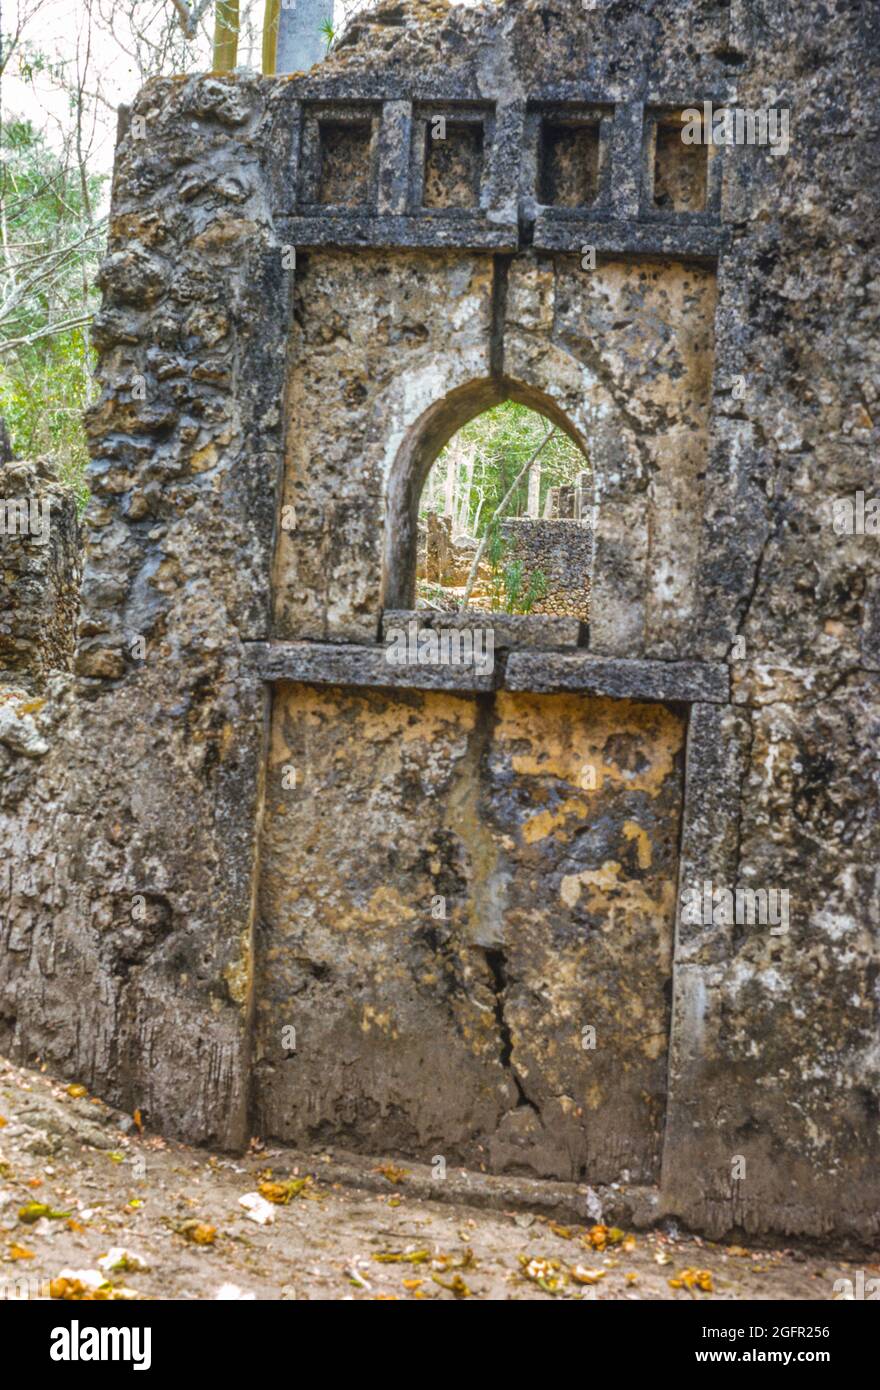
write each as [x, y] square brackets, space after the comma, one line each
[561, 551]
[510, 630]
[267, 417]
[511, 926]
[625, 680]
[367, 334]
[774, 1058]
[324, 663]
[40, 565]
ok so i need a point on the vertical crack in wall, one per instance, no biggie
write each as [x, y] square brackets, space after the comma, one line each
[488, 879]
[497, 963]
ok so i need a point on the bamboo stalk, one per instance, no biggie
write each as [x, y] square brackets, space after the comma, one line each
[225, 35]
[271, 19]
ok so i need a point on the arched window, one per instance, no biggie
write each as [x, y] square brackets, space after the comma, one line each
[491, 511]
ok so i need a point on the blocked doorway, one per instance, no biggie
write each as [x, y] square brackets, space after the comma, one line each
[466, 918]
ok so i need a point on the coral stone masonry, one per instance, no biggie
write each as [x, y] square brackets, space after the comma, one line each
[602, 905]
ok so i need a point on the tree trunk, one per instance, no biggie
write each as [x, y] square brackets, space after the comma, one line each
[449, 498]
[535, 489]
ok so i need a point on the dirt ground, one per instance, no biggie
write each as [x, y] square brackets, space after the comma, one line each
[79, 1181]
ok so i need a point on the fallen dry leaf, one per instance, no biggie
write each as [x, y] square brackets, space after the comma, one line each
[397, 1257]
[33, 1211]
[456, 1285]
[693, 1278]
[565, 1232]
[545, 1273]
[393, 1174]
[283, 1192]
[198, 1232]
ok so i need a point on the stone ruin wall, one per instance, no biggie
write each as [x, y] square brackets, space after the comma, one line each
[143, 776]
[562, 551]
[559, 548]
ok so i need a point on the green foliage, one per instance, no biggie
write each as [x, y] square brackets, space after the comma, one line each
[501, 441]
[48, 258]
[520, 597]
[509, 588]
[43, 389]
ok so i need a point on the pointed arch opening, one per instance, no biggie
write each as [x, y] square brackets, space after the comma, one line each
[490, 507]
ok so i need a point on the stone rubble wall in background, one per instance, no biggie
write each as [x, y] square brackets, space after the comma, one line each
[562, 551]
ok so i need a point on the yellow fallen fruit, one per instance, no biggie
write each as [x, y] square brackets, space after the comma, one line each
[77, 1091]
[545, 1273]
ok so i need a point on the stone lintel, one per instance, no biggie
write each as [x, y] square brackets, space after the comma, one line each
[556, 230]
[326, 663]
[687, 681]
[541, 671]
[460, 231]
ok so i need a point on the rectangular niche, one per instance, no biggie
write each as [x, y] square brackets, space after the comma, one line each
[339, 160]
[450, 146]
[568, 164]
[453, 167]
[680, 171]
